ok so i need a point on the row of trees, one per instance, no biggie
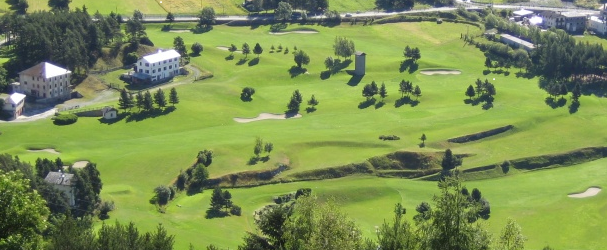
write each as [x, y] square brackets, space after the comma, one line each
[260, 147]
[482, 90]
[296, 100]
[194, 178]
[405, 87]
[146, 101]
[412, 53]
[310, 224]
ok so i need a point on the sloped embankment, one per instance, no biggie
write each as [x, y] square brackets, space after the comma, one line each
[480, 135]
[400, 164]
[565, 159]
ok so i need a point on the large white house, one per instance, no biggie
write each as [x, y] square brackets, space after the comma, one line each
[45, 81]
[63, 182]
[158, 66]
[597, 24]
[13, 104]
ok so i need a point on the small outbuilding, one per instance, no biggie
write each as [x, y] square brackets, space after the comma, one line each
[359, 63]
[109, 113]
[13, 104]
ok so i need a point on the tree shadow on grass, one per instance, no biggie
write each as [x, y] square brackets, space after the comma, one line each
[527, 75]
[486, 72]
[379, 104]
[142, 115]
[229, 58]
[254, 61]
[295, 71]
[213, 213]
[339, 65]
[555, 103]
[291, 113]
[405, 100]
[310, 109]
[253, 160]
[487, 105]
[367, 103]
[118, 118]
[409, 65]
[355, 79]
[573, 108]
[242, 61]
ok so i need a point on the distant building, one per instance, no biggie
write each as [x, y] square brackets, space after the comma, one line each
[359, 63]
[45, 81]
[64, 183]
[598, 25]
[109, 113]
[517, 42]
[522, 13]
[572, 22]
[13, 104]
[157, 67]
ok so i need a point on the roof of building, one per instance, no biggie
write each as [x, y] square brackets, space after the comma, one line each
[573, 14]
[161, 56]
[16, 98]
[522, 12]
[59, 178]
[597, 19]
[536, 20]
[360, 53]
[45, 70]
[518, 40]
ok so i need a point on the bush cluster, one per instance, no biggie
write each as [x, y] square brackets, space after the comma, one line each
[389, 137]
[65, 119]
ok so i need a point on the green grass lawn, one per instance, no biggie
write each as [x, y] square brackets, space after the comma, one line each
[134, 156]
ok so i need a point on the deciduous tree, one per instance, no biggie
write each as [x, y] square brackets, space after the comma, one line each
[197, 48]
[283, 11]
[257, 50]
[246, 50]
[206, 17]
[301, 58]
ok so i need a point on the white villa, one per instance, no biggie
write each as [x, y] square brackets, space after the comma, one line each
[158, 66]
[45, 81]
[13, 104]
[597, 24]
[63, 182]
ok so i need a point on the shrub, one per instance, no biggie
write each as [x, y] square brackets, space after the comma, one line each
[65, 119]
[130, 58]
[505, 167]
[163, 194]
[235, 210]
[389, 137]
[303, 191]
[104, 208]
[197, 48]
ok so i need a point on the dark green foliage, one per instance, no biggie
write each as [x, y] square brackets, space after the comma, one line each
[124, 101]
[128, 237]
[505, 166]
[148, 102]
[383, 93]
[163, 194]
[182, 179]
[236, 210]
[301, 58]
[206, 18]
[104, 208]
[271, 222]
[246, 50]
[470, 92]
[405, 87]
[257, 50]
[139, 100]
[160, 98]
[65, 119]
[424, 212]
[476, 194]
[66, 232]
[232, 48]
[130, 58]
[295, 101]
[283, 11]
[370, 90]
[173, 98]
[394, 4]
[222, 200]
[255, 242]
[268, 147]
[134, 28]
[343, 47]
[179, 46]
[200, 175]
[247, 94]
[399, 235]
[197, 48]
[450, 161]
[59, 4]
[417, 92]
[170, 17]
[303, 192]
[205, 157]
[389, 137]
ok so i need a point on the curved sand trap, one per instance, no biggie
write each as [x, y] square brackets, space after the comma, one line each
[179, 31]
[227, 49]
[294, 32]
[80, 164]
[266, 116]
[440, 72]
[591, 191]
[48, 150]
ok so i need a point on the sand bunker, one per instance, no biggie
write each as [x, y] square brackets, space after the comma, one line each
[265, 116]
[227, 49]
[179, 31]
[48, 150]
[294, 32]
[440, 72]
[80, 164]
[591, 191]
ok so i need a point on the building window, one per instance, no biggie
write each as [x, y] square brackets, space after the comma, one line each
[147, 65]
[140, 70]
[165, 68]
[153, 71]
[170, 66]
